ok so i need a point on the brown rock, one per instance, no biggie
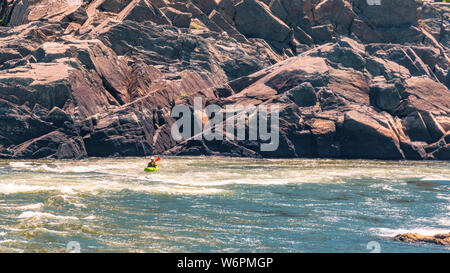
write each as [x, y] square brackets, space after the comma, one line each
[447, 137]
[365, 137]
[207, 6]
[227, 9]
[413, 150]
[416, 128]
[114, 5]
[220, 20]
[384, 96]
[182, 20]
[143, 10]
[392, 21]
[391, 13]
[302, 37]
[19, 14]
[55, 145]
[443, 153]
[322, 33]
[298, 13]
[434, 128]
[78, 16]
[324, 133]
[304, 95]
[277, 8]
[417, 89]
[99, 79]
[336, 12]
[254, 20]
[440, 239]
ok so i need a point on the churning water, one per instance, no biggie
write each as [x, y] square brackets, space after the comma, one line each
[211, 204]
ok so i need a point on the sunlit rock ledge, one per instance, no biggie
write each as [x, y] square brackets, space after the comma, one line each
[439, 239]
[99, 78]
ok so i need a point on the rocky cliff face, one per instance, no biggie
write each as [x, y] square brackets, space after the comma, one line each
[100, 77]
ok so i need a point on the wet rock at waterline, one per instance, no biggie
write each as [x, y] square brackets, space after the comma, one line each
[439, 239]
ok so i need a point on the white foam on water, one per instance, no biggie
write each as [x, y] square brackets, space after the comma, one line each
[443, 196]
[442, 179]
[444, 221]
[46, 230]
[36, 206]
[388, 232]
[202, 176]
[8, 241]
[214, 179]
[95, 187]
[13, 188]
[19, 164]
[68, 168]
[44, 215]
[436, 177]
[383, 186]
[177, 190]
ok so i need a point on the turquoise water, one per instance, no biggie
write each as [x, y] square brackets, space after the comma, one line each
[221, 204]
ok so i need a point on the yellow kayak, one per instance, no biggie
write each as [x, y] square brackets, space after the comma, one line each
[151, 169]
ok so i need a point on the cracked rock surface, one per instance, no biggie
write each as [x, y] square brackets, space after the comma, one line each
[83, 78]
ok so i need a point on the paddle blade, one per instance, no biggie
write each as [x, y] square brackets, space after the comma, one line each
[158, 159]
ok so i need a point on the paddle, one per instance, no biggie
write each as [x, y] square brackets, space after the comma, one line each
[158, 159]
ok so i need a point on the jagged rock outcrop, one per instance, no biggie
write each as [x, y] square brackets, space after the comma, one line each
[99, 78]
[439, 239]
[333, 85]
[254, 20]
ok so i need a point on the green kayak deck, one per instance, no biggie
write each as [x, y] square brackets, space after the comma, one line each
[151, 169]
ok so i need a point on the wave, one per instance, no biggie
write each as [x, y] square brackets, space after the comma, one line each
[391, 232]
[15, 188]
[45, 168]
[30, 207]
[436, 179]
[96, 187]
[19, 164]
[192, 176]
[44, 215]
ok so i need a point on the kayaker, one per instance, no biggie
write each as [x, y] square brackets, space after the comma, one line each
[152, 163]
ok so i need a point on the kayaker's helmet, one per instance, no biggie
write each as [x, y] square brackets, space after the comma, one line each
[153, 161]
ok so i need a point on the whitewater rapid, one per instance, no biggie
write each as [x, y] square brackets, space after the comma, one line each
[220, 204]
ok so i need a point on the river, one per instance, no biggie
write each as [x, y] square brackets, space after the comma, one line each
[215, 204]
